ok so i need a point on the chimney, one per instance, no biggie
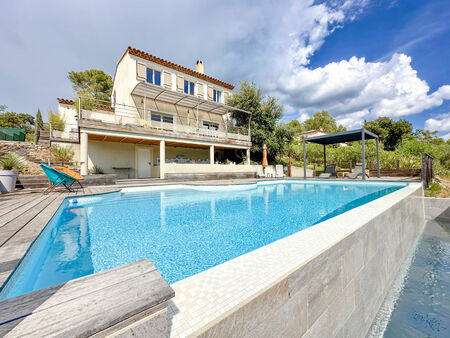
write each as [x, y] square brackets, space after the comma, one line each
[200, 67]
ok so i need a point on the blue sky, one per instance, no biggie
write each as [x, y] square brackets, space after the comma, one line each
[358, 59]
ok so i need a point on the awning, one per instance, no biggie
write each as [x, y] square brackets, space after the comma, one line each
[154, 92]
[342, 137]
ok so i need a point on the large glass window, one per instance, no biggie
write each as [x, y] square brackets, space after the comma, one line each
[217, 95]
[189, 87]
[154, 76]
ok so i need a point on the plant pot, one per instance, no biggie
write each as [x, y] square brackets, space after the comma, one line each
[8, 180]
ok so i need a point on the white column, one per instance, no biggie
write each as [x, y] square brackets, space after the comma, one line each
[162, 158]
[84, 153]
[211, 154]
[248, 156]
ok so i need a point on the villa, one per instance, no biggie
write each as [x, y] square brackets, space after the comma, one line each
[164, 120]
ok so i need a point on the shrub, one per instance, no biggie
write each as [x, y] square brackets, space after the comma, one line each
[61, 153]
[56, 121]
[12, 161]
[95, 170]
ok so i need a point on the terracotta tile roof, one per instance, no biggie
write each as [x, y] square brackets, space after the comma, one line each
[71, 102]
[168, 64]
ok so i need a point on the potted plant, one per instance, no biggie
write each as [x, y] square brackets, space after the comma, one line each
[11, 163]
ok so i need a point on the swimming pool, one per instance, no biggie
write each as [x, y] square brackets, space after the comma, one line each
[183, 230]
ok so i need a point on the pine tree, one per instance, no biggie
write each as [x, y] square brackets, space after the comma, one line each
[39, 120]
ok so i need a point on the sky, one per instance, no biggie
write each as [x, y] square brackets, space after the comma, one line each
[357, 59]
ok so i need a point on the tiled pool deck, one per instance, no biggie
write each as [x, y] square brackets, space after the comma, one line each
[219, 300]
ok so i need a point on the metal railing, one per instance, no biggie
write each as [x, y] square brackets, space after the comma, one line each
[187, 121]
[56, 131]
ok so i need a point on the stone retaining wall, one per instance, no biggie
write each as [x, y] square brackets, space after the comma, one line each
[33, 154]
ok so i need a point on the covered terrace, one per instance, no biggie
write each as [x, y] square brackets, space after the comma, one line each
[343, 137]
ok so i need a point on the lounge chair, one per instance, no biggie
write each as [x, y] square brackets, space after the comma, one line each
[279, 173]
[269, 171]
[357, 172]
[330, 171]
[61, 176]
[259, 171]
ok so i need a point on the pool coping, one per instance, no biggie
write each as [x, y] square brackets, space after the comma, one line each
[205, 299]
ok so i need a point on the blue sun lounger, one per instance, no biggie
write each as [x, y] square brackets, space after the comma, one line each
[57, 177]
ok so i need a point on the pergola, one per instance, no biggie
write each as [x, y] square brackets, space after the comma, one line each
[342, 137]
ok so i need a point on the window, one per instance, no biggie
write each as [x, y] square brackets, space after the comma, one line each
[216, 96]
[153, 76]
[156, 117]
[167, 119]
[189, 87]
[164, 118]
[210, 125]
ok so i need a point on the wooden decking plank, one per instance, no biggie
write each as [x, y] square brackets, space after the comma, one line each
[27, 303]
[34, 226]
[15, 225]
[24, 207]
[15, 203]
[90, 313]
[90, 308]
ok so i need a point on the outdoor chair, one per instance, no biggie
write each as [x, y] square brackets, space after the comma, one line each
[259, 171]
[330, 171]
[279, 173]
[357, 172]
[61, 176]
[269, 171]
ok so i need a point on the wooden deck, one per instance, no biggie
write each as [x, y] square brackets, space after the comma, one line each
[22, 218]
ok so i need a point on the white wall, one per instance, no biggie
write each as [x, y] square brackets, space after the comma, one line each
[298, 172]
[125, 80]
[112, 154]
[69, 114]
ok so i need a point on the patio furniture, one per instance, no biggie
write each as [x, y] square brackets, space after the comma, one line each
[127, 169]
[356, 172]
[269, 171]
[279, 173]
[58, 177]
[259, 171]
[330, 171]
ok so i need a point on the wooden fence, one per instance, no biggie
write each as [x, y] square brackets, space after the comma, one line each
[427, 170]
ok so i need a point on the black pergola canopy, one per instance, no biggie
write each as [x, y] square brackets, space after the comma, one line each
[342, 137]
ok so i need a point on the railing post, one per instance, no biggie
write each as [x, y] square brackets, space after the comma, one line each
[50, 132]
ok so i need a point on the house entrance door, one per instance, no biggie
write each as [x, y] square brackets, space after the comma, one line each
[143, 163]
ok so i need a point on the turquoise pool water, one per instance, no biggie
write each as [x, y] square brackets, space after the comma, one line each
[182, 230]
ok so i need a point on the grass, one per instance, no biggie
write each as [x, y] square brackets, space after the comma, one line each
[440, 188]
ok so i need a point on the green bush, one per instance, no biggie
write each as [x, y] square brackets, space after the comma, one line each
[61, 153]
[96, 170]
[12, 161]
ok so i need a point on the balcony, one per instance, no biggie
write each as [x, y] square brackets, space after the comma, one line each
[134, 120]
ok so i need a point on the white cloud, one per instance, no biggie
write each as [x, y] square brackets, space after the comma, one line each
[355, 90]
[439, 123]
[446, 137]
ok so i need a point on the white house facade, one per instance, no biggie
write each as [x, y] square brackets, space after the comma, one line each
[164, 120]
